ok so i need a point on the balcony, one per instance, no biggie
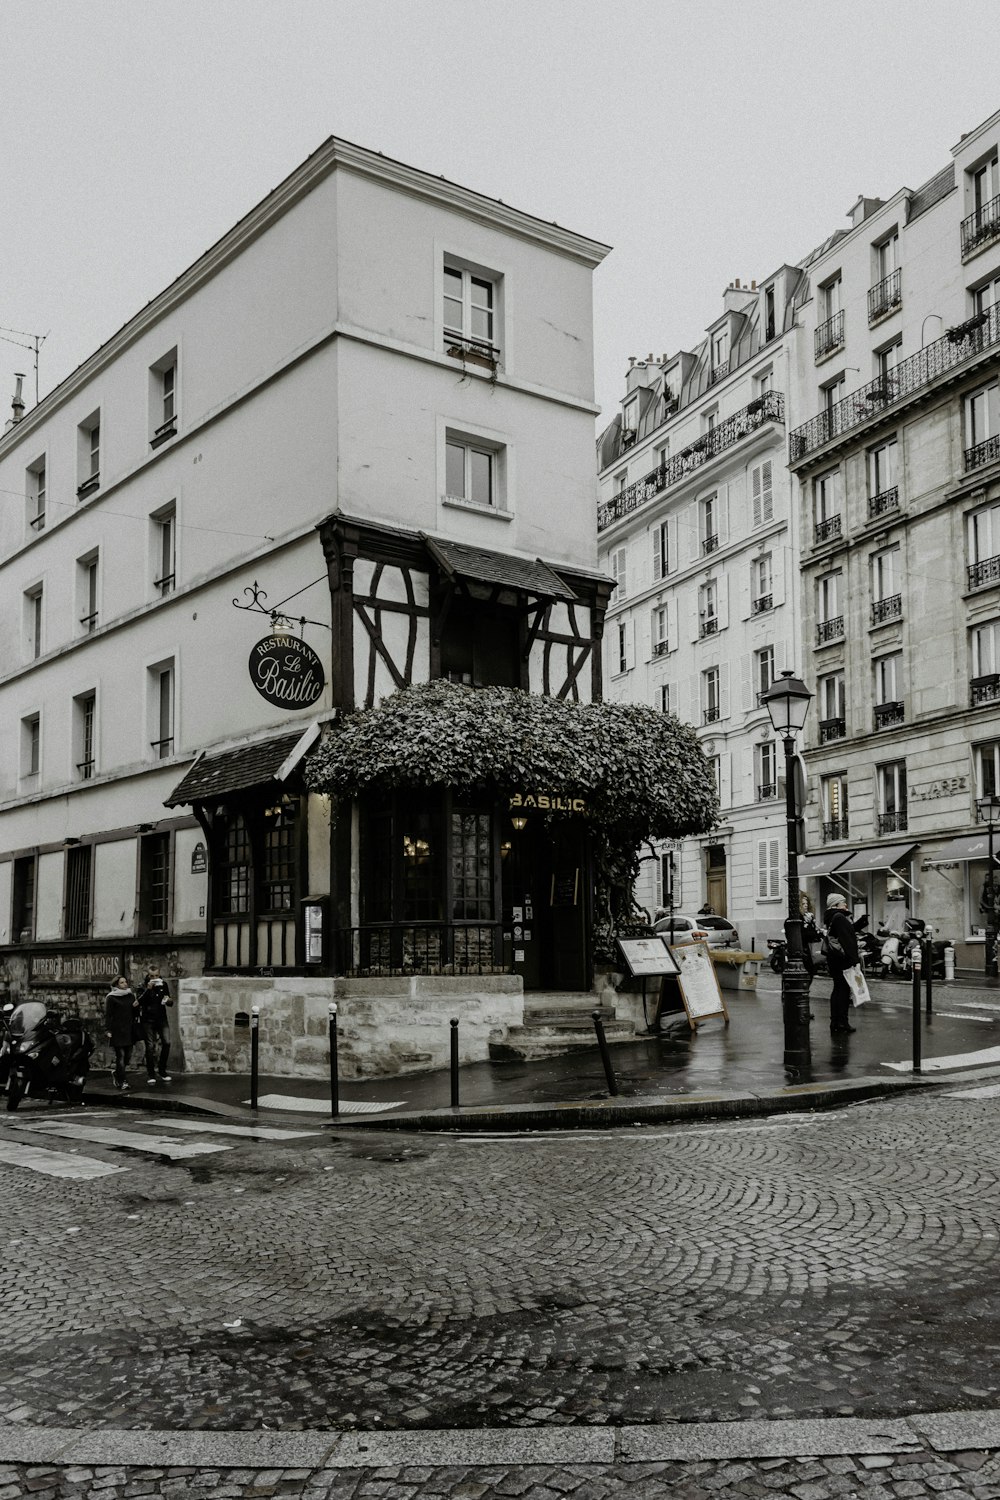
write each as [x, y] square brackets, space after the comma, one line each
[884, 298]
[767, 792]
[711, 715]
[660, 648]
[708, 627]
[761, 605]
[831, 729]
[828, 530]
[892, 822]
[982, 454]
[882, 504]
[710, 543]
[719, 372]
[830, 630]
[910, 378]
[829, 336]
[890, 608]
[985, 572]
[835, 829]
[981, 228]
[756, 414]
[984, 689]
[886, 714]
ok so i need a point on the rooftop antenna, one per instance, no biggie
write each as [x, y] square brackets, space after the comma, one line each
[37, 340]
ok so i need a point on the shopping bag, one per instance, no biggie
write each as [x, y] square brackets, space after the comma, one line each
[858, 984]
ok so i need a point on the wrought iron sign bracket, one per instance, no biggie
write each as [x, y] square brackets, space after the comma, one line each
[276, 614]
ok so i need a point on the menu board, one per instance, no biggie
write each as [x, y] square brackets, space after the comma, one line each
[647, 956]
[698, 984]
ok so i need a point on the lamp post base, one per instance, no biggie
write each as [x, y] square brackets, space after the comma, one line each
[795, 1014]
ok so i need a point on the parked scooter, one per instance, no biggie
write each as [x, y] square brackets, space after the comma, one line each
[46, 1055]
[898, 949]
[869, 947]
[812, 954]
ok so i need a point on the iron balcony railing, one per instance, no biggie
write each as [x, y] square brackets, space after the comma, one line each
[762, 604]
[719, 372]
[660, 648]
[879, 505]
[981, 227]
[884, 297]
[769, 407]
[987, 571]
[831, 729]
[708, 627]
[767, 792]
[830, 630]
[829, 335]
[890, 608]
[910, 376]
[835, 829]
[984, 689]
[892, 822]
[987, 452]
[710, 543]
[710, 715]
[414, 948]
[888, 713]
[827, 530]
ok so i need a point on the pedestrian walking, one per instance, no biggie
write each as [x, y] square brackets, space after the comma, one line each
[120, 1011]
[841, 954]
[154, 997]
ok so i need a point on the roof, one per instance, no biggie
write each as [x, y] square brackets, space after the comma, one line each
[214, 775]
[482, 566]
[932, 192]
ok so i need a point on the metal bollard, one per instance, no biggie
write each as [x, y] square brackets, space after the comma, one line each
[602, 1043]
[929, 980]
[334, 1079]
[454, 1064]
[254, 1053]
[916, 1011]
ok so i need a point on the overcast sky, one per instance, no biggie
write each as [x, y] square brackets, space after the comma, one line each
[703, 141]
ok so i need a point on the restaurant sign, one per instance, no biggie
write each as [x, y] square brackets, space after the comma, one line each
[546, 802]
[100, 968]
[286, 671]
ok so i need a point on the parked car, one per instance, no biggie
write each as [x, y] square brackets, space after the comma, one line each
[717, 932]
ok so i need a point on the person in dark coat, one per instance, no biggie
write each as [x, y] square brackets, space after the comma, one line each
[120, 1010]
[154, 997]
[842, 953]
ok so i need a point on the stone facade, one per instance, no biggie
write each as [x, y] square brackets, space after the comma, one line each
[384, 1026]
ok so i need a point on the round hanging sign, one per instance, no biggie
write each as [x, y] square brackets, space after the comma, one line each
[286, 671]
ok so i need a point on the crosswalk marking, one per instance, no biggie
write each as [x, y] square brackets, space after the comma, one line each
[958, 1060]
[55, 1163]
[255, 1132]
[988, 1091]
[156, 1145]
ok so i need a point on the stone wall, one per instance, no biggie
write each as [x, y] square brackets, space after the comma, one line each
[384, 1026]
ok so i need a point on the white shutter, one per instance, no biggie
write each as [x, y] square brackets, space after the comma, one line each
[695, 706]
[755, 491]
[747, 789]
[655, 535]
[725, 779]
[779, 562]
[629, 644]
[672, 634]
[673, 556]
[746, 680]
[692, 598]
[722, 514]
[693, 529]
[724, 690]
[722, 598]
[745, 610]
[766, 491]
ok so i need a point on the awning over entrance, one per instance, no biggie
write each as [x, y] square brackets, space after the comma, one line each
[481, 566]
[968, 846]
[865, 860]
[813, 865]
[217, 773]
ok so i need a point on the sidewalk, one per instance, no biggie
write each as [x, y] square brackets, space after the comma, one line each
[733, 1071]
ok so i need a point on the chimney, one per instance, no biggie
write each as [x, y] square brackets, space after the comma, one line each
[737, 283]
[17, 405]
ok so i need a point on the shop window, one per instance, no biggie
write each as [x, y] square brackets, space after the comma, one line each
[76, 911]
[471, 857]
[154, 883]
[278, 880]
[234, 867]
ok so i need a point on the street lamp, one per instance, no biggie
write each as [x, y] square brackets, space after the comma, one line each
[988, 809]
[787, 702]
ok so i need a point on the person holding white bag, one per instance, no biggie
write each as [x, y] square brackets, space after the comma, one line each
[842, 954]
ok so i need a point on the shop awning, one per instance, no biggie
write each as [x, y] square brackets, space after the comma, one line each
[968, 846]
[217, 773]
[479, 565]
[813, 865]
[881, 858]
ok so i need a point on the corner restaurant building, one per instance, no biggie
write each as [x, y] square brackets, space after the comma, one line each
[373, 399]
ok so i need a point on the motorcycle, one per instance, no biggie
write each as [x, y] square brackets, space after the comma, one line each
[45, 1054]
[812, 955]
[898, 949]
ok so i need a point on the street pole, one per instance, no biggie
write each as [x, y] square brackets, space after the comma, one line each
[794, 978]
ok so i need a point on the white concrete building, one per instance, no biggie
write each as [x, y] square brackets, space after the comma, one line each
[697, 528]
[895, 452]
[373, 393]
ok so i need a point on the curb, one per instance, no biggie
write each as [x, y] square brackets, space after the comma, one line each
[940, 1432]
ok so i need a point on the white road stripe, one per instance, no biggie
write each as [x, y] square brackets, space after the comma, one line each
[156, 1145]
[54, 1163]
[988, 1091]
[322, 1106]
[958, 1060]
[256, 1132]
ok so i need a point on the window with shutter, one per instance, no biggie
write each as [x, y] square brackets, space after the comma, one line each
[761, 489]
[767, 869]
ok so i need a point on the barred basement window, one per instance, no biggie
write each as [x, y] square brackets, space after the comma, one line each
[79, 864]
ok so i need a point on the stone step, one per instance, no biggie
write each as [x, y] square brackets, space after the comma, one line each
[531, 1043]
[575, 1019]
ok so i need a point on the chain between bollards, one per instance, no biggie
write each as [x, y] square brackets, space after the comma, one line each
[334, 1079]
[602, 1043]
[454, 1064]
[254, 1053]
[916, 1010]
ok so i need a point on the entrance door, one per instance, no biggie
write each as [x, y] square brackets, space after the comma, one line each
[715, 880]
[545, 896]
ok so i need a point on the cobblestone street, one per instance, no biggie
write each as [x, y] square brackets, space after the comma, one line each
[825, 1266]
